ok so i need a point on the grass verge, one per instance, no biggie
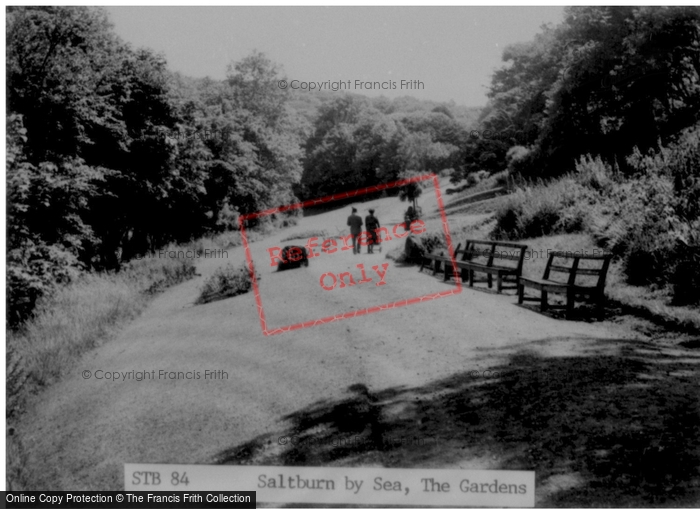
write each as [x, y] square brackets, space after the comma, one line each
[73, 320]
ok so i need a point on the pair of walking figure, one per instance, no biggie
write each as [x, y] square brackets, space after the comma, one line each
[355, 224]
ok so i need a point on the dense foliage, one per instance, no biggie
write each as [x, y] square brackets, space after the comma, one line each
[649, 218]
[109, 155]
[357, 142]
[607, 80]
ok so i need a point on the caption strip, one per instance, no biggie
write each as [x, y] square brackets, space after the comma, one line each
[333, 485]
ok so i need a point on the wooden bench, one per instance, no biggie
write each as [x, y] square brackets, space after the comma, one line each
[433, 261]
[483, 256]
[494, 258]
[548, 285]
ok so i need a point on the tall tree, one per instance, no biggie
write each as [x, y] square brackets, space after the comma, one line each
[606, 80]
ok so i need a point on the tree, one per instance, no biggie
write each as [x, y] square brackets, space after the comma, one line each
[608, 79]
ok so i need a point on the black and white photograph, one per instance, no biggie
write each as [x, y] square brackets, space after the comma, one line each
[352, 256]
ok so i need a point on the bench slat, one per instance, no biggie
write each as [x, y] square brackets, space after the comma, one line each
[500, 256]
[569, 255]
[493, 269]
[579, 271]
[498, 243]
[589, 272]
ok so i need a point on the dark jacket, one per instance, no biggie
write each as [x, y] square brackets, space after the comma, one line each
[355, 224]
[372, 223]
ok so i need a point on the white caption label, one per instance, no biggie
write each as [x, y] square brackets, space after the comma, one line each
[332, 485]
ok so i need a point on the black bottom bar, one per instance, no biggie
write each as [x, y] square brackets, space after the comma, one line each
[127, 499]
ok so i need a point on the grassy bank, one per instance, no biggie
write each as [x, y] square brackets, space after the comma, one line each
[83, 315]
[73, 320]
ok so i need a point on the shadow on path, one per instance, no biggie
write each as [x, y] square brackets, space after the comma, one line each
[618, 424]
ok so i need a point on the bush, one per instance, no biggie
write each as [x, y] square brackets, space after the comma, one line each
[561, 206]
[227, 281]
[595, 174]
[417, 246]
[658, 212]
[517, 159]
[35, 270]
[686, 276]
[501, 179]
[473, 179]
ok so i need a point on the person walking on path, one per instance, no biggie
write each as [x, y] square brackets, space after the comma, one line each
[355, 224]
[371, 223]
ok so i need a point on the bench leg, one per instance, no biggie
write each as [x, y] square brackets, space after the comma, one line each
[569, 304]
[600, 305]
[499, 284]
[543, 301]
[521, 293]
[471, 278]
[490, 281]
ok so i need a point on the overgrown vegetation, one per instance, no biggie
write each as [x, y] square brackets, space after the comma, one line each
[227, 281]
[80, 316]
[649, 217]
[544, 209]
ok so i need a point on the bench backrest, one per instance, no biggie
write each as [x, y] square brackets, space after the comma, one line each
[573, 265]
[496, 254]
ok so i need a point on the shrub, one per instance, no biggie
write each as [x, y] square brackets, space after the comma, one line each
[661, 208]
[594, 174]
[35, 270]
[517, 159]
[686, 276]
[558, 207]
[501, 179]
[227, 281]
[417, 246]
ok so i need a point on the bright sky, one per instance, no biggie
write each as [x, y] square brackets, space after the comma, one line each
[451, 51]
